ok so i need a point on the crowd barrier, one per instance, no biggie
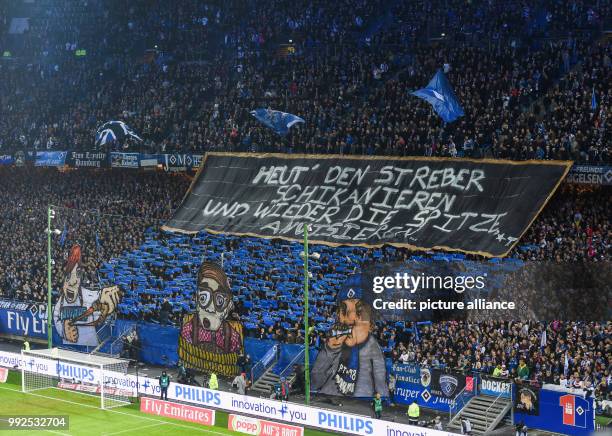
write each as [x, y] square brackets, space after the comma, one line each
[296, 414]
[551, 408]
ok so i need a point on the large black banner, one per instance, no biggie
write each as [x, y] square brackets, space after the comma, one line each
[474, 206]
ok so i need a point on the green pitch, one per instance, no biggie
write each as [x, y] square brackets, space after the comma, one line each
[87, 419]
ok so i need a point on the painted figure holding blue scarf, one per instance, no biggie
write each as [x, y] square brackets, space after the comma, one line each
[351, 362]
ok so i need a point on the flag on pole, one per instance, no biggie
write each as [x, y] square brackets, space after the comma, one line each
[278, 121]
[566, 365]
[593, 100]
[543, 338]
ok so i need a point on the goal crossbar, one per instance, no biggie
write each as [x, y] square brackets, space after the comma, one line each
[57, 368]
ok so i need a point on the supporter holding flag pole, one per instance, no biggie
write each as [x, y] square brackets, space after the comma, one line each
[63, 236]
[416, 333]
[440, 95]
[279, 122]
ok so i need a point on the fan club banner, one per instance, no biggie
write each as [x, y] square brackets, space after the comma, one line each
[590, 175]
[431, 388]
[50, 158]
[124, 160]
[495, 387]
[87, 159]
[181, 162]
[474, 206]
[527, 400]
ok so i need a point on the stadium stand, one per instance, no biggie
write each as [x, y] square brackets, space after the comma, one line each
[351, 82]
[185, 76]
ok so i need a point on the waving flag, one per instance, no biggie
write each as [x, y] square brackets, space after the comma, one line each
[439, 94]
[593, 100]
[115, 131]
[278, 121]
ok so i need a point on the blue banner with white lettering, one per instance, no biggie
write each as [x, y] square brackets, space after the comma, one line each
[430, 388]
[50, 158]
[495, 386]
[561, 412]
[6, 159]
[23, 319]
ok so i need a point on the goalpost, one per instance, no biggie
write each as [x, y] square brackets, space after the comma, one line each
[84, 373]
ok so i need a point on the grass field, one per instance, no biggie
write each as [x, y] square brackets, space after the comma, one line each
[87, 419]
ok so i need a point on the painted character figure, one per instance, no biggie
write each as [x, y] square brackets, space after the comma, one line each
[80, 311]
[351, 362]
[209, 341]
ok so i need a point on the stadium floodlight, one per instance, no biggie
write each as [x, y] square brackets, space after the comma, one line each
[50, 263]
[50, 216]
[306, 326]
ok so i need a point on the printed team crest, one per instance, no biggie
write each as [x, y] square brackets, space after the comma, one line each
[350, 293]
[449, 384]
[425, 377]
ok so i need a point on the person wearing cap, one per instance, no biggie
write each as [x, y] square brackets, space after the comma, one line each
[504, 372]
[350, 362]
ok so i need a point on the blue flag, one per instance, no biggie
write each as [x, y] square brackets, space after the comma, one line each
[440, 95]
[278, 121]
[593, 100]
[63, 236]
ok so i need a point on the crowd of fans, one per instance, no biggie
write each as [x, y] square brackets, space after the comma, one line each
[111, 213]
[346, 67]
[533, 78]
[573, 354]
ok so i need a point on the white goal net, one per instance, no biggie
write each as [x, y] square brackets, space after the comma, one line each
[88, 374]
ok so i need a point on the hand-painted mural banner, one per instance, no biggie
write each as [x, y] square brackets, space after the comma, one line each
[474, 206]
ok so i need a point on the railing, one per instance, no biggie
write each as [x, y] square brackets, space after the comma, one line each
[265, 362]
[488, 408]
[298, 357]
[455, 404]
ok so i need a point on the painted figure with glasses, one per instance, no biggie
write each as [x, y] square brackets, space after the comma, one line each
[210, 339]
